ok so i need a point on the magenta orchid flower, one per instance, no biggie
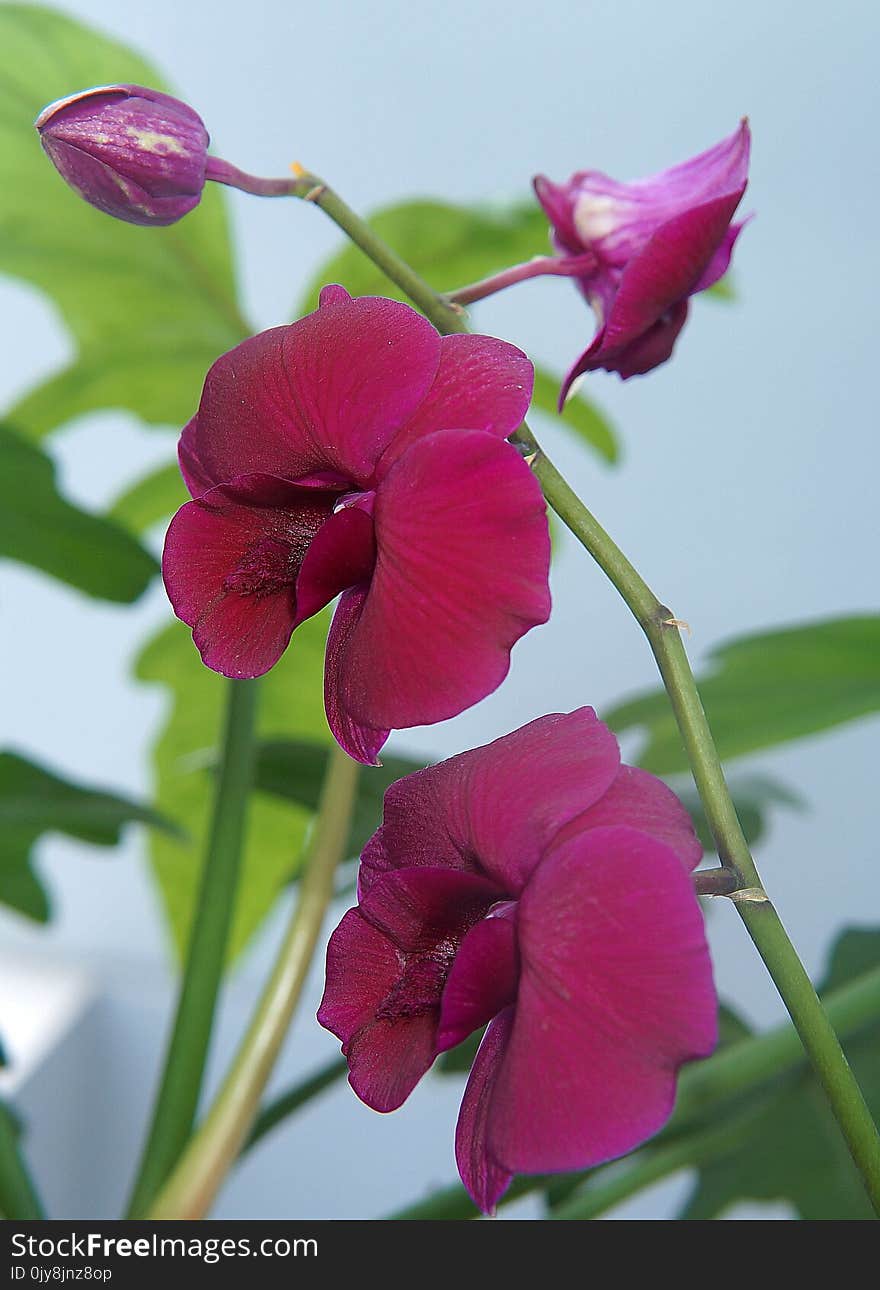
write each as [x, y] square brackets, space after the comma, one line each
[133, 152]
[358, 452]
[538, 885]
[656, 242]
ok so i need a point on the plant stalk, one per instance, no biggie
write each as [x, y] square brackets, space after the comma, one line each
[213, 1149]
[178, 1097]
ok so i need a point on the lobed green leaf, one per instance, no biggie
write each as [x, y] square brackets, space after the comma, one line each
[38, 527]
[34, 801]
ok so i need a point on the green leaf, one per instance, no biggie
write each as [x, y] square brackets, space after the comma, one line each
[34, 801]
[149, 309]
[767, 689]
[151, 499]
[39, 528]
[791, 1148]
[290, 703]
[578, 414]
[753, 796]
[293, 769]
[451, 246]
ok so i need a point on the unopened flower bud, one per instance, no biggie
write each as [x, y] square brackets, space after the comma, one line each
[133, 152]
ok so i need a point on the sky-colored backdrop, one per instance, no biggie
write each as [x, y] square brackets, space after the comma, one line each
[747, 494]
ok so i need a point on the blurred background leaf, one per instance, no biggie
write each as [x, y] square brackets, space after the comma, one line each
[149, 309]
[754, 797]
[151, 499]
[293, 769]
[34, 801]
[791, 1149]
[290, 704]
[767, 689]
[39, 528]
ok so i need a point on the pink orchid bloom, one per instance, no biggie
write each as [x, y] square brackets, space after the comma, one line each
[358, 452]
[538, 885]
[656, 242]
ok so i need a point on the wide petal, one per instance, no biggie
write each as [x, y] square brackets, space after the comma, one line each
[485, 1178]
[322, 397]
[644, 802]
[615, 994]
[230, 564]
[481, 384]
[461, 573]
[497, 807]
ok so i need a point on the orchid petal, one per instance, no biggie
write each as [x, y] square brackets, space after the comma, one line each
[359, 739]
[230, 564]
[481, 384]
[386, 1057]
[501, 804]
[615, 994]
[482, 980]
[461, 573]
[642, 801]
[323, 396]
[485, 1178]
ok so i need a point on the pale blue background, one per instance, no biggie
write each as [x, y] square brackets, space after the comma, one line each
[747, 495]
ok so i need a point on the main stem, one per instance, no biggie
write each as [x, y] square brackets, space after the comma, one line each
[212, 1151]
[661, 628]
[177, 1101]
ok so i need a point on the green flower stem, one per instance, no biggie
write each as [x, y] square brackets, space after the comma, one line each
[661, 629]
[18, 1196]
[710, 1090]
[213, 1149]
[289, 1102]
[177, 1101]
